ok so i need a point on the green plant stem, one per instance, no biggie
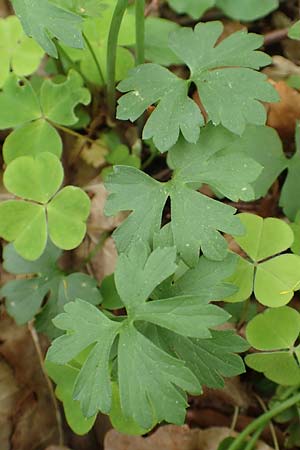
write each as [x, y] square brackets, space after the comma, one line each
[140, 31]
[93, 54]
[112, 44]
[262, 420]
[73, 133]
[252, 441]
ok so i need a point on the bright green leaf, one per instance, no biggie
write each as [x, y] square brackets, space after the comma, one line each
[264, 237]
[247, 10]
[276, 280]
[275, 331]
[31, 139]
[64, 377]
[36, 179]
[58, 100]
[17, 52]
[195, 8]
[25, 224]
[44, 21]
[67, 215]
[243, 278]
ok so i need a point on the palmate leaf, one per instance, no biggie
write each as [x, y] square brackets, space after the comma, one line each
[152, 380]
[241, 10]
[275, 333]
[274, 280]
[32, 114]
[225, 69]
[25, 296]
[195, 218]
[44, 21]
[18, 53]
[62, 214]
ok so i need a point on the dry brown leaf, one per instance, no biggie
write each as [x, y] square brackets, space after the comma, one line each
[281, 68]
[26, 407]
[283, 115]
[94, 154]
[98, 222]
[172, 437]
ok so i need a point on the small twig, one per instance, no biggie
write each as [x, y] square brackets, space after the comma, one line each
[36, 343]
[234, 418]
[275, 36]
[272, 429]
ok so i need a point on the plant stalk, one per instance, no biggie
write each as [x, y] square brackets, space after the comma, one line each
[262, 420]
[140, 31]
[112, 45]
[93, 54]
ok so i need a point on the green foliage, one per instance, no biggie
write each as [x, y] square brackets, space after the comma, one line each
[272, 278]
[275, 332]
[294, 31]
[120, 155]
[43, 209]
[25, 296]
[238, 10]
[18, 53]
[143, 355]
[96, 32]
[226, 69]
[209, 161]
[44, 21]
[34, 115]
[296, 229]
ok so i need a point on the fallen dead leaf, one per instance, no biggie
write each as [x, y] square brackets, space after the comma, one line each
[172, 437]
[283, 115]
[281, 68]
[27, 416]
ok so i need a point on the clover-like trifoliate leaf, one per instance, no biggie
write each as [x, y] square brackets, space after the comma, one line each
[29, 112]
[239, 10]
[18, 53]
[152, 382]
[25, 296]
[274, 279]
[275, 333]
[195, 218]
[26, 223]
[64, 377]
[44, 21]
[225, 69]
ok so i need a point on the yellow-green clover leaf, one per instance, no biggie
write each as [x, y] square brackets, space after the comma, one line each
[18, 52]
[34, 115]
[275, 333]
[273, 278]
[26, 222]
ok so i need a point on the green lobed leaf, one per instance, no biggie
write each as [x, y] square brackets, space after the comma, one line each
[195, 218]
[25, 296]
[226, 68]
[242, 10]
[151, 381]
[157, 32]
[18, 53]
[275, 332]
[44, 21]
